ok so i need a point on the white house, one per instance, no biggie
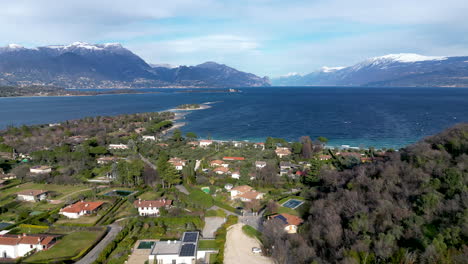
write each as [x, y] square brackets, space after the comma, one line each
[184, 251]
[221, 170]
[245, 193]
[260, 164]
[205, 143]
[177, 163]
[260, 145]
[282, 152]
[40, 169]
[219, 163]
[106, 160]
[153, 138]
[81, 208]
[118, 146]
[31, 195]
[235, 174]
[16, 246]
[151, 208]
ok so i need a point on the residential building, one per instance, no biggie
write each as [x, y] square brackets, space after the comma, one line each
[291, 222]
[260, 164]
[245, 193]
[235, 175]
[32, 195]
[16, 246]
[40, 169]
[152, 138]
[184, 251]
[151, 207]
[285, 167]
[140, 130]
[282, 152]
[193, 143]
[106, 160]
[325, 157]
[234, 158]
[81, 208]
[260, 145]
[205, 143]
[177, 163]
[219, 163]
[221, 170]
[118, 146]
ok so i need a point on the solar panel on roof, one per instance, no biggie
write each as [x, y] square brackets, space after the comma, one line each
[187, 250]
[190, 237]
[282, 218]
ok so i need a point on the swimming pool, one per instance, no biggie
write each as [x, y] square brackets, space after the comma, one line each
[146, 245]
[292, 203]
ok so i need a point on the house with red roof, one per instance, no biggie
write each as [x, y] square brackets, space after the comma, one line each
[221, 170]
[291, 222]
[16, 246]
[151, 207]
[234, 158]
[245, 193]
[81, 208]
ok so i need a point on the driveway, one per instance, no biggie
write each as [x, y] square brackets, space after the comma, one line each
[92, 255]
[239, 248]
[211, 225]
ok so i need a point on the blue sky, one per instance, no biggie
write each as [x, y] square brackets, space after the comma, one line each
[265, 37]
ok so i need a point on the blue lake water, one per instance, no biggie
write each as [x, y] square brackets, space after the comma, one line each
[380, 117]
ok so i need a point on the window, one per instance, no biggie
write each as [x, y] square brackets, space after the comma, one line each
[30, 246]
[174, 261]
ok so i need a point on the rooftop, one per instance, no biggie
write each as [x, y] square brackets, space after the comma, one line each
[31, 192]
[82, 206]
[152, 203]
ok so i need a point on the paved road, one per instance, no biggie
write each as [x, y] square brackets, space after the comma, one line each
[94, 253]
[147, 161]
[214, 207]
[253, 220]
[211, 225]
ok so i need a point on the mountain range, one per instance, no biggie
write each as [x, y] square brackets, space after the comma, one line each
[83, 65]
[394, 70]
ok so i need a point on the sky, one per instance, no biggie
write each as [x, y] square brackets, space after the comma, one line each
[265, 37]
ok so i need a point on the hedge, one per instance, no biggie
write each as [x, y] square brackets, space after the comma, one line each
[221, 237]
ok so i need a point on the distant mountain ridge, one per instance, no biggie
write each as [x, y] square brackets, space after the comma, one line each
[83, 65]
[398, 70]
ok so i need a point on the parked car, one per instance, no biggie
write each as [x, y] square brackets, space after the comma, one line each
[256, 250]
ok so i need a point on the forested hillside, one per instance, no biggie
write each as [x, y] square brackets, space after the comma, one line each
[411, 208]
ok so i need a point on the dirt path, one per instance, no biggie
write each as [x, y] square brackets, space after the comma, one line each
[239, 248]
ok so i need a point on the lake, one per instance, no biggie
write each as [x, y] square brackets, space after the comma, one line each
[380, 117]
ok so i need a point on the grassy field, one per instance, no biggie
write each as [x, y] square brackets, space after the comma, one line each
[60, 190]
[252, 232]
[207, 244]
[150, 195]
[67, 247]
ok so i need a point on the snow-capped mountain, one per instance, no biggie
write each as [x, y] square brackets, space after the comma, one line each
[84, 65]
[405, 69]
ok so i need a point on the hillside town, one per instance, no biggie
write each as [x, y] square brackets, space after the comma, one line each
[122, 190]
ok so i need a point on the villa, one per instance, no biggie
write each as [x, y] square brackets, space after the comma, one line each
[291, 222]
[245, 193]
[81, 208]
[40, 169]
[260, 164]
[184, 251]
[260, 145]
[152, 138]
[177, 163]
[31, 195]
[106, 160]
[218, 163]
[282, 152]
[205, 143]
[221, 170]
[325, 157]
[16, 246]
[151, 208]
[235, 174]
[118, 146]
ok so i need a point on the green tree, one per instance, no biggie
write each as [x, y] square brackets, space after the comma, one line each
[297, 148]
[191, 136]
[177, 135]
[324, 140]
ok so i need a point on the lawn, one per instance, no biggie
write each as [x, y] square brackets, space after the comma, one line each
[252, 232]
[60, 190]
[207, 244]
[67, 247]
[150, 195]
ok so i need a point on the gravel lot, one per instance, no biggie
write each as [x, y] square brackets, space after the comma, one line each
[239, 248]
[211, 225]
